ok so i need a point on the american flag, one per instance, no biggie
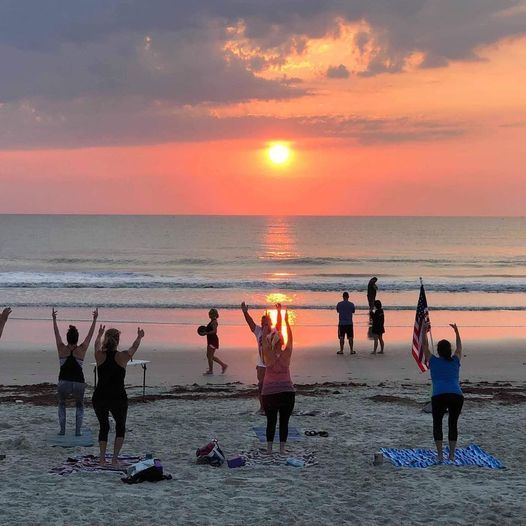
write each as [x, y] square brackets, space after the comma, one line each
[422, 326]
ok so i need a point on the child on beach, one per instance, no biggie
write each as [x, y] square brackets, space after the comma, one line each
[212, 343]
[3, 319]
[377, 329]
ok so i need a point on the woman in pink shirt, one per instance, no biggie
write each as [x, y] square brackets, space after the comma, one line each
[278, 391]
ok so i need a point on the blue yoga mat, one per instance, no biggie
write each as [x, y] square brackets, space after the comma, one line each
[85, 440]
[472, 455]
[294, 434]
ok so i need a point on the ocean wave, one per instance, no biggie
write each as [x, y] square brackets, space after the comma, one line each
[131, 280]
[235, 306]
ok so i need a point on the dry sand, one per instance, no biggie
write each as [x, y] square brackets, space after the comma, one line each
[344, 488]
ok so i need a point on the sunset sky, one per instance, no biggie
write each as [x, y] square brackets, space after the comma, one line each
[389, 107]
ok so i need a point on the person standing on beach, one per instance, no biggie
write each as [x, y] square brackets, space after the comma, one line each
[3, 319]
[71, 378]
[345, 309]
[447, 394]
[372, 289]
[377, 329]
[278, 393]
[212, 343]
[110, 394]
[259, 332]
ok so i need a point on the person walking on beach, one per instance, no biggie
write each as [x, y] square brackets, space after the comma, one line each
[3, 319]
[260, 332]
[345, 309]
[372, 289]
[377, 329]
[278, 393]
[110, 395]
[212, 343]
[447, 394]
[71, 377]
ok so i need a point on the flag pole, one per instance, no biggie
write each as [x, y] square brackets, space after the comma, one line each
[430, 333]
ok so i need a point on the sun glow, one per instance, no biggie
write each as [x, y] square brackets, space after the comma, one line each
[279, 153]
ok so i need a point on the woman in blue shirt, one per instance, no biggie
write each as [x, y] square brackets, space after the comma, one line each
[447, 394]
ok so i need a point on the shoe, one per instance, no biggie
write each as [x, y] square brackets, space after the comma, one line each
[353, 352]
[339, 352]
[208, 373]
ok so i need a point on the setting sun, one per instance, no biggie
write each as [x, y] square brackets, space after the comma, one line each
[279, 153]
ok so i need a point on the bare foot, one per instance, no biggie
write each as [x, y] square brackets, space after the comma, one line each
[208, 373]
[61, 433]
[102, 461]
[224, 368]
[374, 352]
[380, 352]
[353, 352]
[115, 462]
[339, 352]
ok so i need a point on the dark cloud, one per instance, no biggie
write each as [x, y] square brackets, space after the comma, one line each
[68, 65]
[338, 72]
[76, 125]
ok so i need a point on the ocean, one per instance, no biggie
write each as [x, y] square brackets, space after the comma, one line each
[172, 269]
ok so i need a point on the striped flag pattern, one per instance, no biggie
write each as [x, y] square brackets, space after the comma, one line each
[422, 326]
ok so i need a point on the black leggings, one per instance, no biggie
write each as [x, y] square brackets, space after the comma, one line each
[282, 403]
[118, 410]
[452, 403]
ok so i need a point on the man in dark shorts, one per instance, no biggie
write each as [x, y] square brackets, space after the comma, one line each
[345, 311]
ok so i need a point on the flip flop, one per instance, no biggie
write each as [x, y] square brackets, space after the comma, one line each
[323, 434]
[311, 433]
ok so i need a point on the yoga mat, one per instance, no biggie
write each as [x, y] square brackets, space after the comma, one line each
[70, 440]
[472, 455]
[294, 434]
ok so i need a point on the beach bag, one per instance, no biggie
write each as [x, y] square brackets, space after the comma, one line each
[150, 470]
[211, 454]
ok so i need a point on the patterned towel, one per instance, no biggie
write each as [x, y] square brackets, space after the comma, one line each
[472, 455]
[90, 463]
[258, 457]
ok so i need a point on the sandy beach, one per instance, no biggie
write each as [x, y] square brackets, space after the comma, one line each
[363, 412]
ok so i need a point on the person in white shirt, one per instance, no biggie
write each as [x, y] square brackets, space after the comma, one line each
[260, 331]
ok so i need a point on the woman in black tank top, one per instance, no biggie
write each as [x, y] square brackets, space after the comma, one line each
[110, 394]
[71, 378]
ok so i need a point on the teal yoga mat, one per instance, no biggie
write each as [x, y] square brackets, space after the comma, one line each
[70, 440]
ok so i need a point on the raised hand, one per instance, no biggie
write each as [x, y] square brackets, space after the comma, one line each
[278, 307]
[454, 326]
[140, 333]
[102, 328]
[244, 307]
[5, 314]
[95, 314]
[54, 313]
